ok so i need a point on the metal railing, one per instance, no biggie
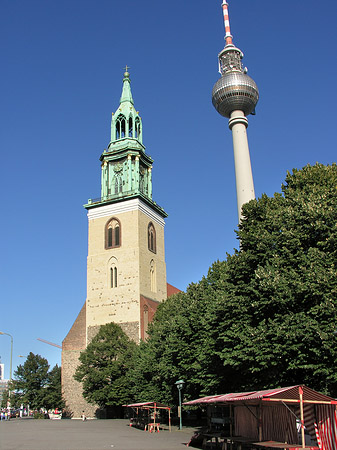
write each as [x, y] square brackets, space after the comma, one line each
[121, 195]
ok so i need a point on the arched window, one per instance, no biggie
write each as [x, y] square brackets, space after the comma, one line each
[153, 277]
[113, 234]
[112, 273]
[141, 182]
[146, 320]
[120, 127]
[130, 127]
[137, 128]
[113, 277]
[118, 184]
[151, 237]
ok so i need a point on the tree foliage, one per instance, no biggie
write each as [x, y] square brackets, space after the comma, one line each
[53, 392]
[266, 316]
[288, 262]
[104, 366]
[35, 385]
[13, 398]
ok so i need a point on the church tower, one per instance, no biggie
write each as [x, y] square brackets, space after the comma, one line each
[126, 271]
[126, 275]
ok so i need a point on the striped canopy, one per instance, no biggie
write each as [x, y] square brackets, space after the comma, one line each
[271, 414]
[285, 395]
[147, 405]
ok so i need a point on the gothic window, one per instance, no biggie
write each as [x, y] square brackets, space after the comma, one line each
[113, 234]
[118, 184]
[141, 181]
[146, 320]
[112, 273]
[153, 279]
[137, 134]
[120, 127]
[113, 277]
[130, 127]
[151, 238]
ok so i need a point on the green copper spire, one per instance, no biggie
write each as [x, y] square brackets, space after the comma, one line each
[126, 93]
[126, 168]
[126, 122]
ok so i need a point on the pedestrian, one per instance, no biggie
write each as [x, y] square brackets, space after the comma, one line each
[83, 416]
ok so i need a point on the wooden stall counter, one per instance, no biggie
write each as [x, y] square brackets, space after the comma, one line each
[283, 445]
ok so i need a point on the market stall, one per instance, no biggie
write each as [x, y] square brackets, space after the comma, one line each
[145, 415]
[291, 417]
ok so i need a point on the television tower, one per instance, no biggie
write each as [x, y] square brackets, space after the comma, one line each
[235, 96]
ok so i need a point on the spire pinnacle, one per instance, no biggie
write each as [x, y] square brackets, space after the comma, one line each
[228, 36]
[126, 93]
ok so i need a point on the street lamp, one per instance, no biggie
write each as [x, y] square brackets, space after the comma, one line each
[10, 367]
[180, 384]
[21, 408]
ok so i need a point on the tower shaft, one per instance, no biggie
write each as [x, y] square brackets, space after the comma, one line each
[238, 123]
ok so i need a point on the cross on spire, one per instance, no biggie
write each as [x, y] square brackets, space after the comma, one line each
[126, 68]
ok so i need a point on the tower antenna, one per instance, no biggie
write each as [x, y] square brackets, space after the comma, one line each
[228, 36]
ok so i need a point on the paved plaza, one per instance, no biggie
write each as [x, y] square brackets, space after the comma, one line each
[30, 434]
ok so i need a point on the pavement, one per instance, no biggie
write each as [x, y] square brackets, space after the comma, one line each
[66, 434]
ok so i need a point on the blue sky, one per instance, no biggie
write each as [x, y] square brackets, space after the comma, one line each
[61, 77]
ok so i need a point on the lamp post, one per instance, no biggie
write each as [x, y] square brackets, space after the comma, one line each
[11, 360]
[10, 368]
[180, 384]
[21, 408]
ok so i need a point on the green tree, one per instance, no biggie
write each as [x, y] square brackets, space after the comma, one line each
[285, 278]
[15, 399]
[53, 391]
[181, 344]
[266, 316]
[104, 366]
[30, 381]
[4, 399]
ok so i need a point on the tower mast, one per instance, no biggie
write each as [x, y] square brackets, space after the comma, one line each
[235, 96]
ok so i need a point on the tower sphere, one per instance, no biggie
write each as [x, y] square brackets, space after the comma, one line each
[235, 91]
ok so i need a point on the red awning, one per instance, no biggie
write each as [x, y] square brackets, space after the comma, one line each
[286, 395]
[147, 405]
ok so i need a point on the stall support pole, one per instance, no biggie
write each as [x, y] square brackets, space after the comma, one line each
[260, 421]
[231, 424]
[302, 416]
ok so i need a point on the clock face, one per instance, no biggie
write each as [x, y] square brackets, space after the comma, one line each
[118, 167]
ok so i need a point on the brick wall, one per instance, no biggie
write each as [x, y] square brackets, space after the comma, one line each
[72, 345]
[151, 307]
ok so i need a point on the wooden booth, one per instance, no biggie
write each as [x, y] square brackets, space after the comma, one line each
[295, 417]
[147, 415]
